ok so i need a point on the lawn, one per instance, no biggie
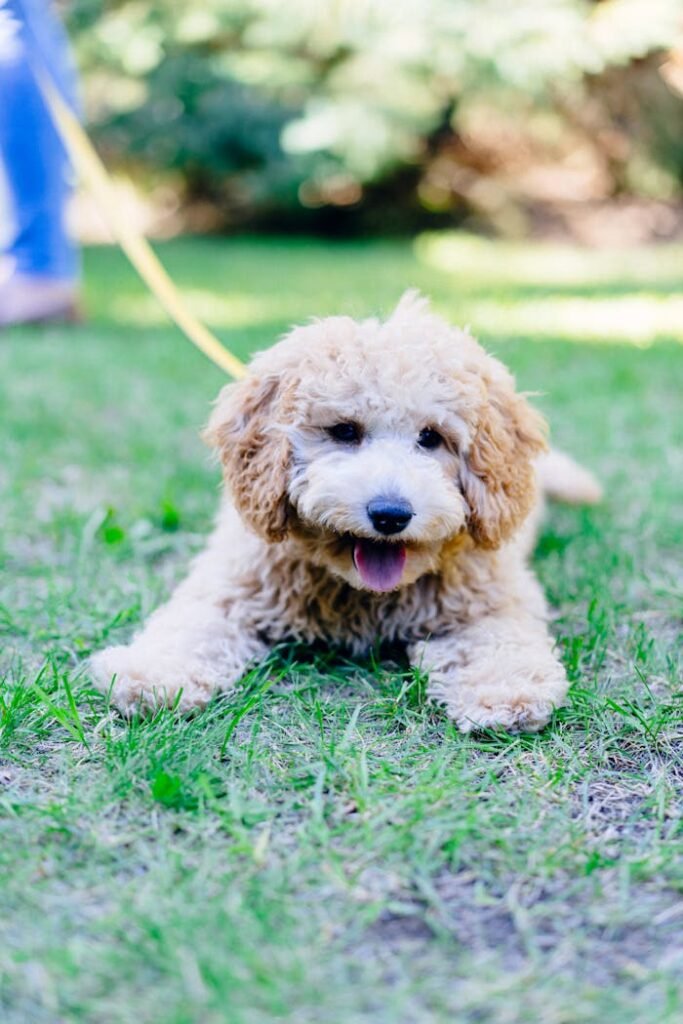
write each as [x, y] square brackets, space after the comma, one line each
[322, 846]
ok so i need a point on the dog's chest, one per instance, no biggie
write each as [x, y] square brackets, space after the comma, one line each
[317, 607]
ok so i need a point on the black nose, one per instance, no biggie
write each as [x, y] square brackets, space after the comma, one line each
[390, 515]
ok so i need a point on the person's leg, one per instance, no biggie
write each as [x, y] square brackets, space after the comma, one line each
[36, 167]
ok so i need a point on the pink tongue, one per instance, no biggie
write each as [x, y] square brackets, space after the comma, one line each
[380, 566]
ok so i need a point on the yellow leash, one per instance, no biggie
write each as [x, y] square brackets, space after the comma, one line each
[138, 250]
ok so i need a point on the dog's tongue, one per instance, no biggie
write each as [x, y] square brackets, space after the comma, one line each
[379, 565]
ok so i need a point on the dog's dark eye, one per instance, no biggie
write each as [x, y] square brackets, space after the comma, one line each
[347, 433]
[429, 438]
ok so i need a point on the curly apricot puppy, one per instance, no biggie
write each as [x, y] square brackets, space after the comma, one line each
[380, 483]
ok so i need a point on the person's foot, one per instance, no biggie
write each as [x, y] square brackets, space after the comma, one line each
[25, 299]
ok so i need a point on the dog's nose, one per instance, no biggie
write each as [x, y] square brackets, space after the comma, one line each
[390, 515]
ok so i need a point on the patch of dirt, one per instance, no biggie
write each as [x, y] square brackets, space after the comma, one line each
[606, 938]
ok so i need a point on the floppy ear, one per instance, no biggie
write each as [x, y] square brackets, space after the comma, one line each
[498, 477]
[254, 450]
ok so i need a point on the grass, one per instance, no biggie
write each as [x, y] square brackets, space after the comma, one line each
[322, 845]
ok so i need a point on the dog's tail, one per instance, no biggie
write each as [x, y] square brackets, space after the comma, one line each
[563, 479]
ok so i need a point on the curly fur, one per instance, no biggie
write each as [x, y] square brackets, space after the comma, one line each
[283, 564]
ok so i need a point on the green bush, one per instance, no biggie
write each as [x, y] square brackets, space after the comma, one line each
[265, 107]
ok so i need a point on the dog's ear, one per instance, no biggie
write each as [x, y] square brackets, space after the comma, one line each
[497, 477]
[247, 430]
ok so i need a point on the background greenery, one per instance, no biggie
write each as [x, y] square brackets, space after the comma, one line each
[321, 845]
[382, 114]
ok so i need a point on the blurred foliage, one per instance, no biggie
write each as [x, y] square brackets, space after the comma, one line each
[443, 107]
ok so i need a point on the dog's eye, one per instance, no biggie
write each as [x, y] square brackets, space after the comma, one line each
[347, 433]
[429, 438]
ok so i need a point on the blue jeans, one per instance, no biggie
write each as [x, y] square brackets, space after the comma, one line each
[35, 163]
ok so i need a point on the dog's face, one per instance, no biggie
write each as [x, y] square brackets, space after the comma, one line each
[378, 445]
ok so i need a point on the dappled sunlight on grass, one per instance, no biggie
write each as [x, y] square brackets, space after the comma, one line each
[476, 259]
[231, 310]
[501, 289]
[634, 319]
[560, 292]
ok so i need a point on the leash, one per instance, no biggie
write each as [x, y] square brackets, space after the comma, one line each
[85, 159]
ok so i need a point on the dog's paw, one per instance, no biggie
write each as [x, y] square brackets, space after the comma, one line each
[137, 680]
[515, 690]
[518, 715]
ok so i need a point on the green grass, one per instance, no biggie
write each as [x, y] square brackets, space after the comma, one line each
[322, 845]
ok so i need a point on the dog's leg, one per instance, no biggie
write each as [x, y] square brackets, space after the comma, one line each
[201, 641]
[500, 671]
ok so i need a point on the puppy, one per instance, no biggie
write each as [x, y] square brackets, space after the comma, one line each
[381, 483]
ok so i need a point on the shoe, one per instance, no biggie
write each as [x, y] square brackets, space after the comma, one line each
[25, 299]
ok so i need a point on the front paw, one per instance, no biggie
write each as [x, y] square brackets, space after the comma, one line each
[139, 680]
[477, 696]
[518, 715]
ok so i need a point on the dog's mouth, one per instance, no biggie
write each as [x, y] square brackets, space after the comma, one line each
[379, 564]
